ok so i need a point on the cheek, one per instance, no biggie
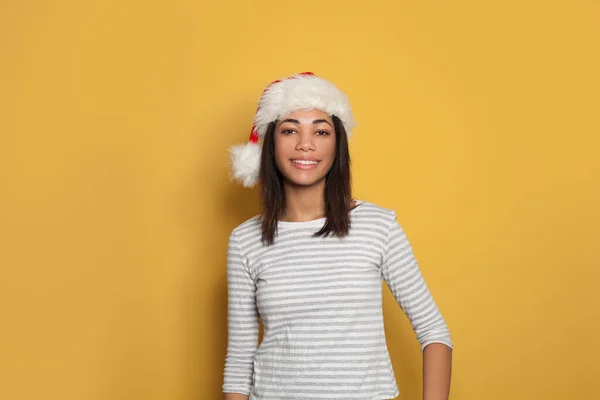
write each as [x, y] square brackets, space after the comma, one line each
[328, 149]
[281, 149]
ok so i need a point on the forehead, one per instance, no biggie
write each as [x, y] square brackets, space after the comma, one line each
[307, 115]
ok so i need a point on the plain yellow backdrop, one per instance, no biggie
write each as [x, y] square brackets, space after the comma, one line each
[478, 123]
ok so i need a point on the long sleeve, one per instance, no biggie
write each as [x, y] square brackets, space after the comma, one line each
[401, 272]
[242, 322]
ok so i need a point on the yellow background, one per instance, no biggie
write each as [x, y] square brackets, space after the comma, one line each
[478, 124]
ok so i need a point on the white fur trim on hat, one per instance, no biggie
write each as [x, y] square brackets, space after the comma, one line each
[303, 91]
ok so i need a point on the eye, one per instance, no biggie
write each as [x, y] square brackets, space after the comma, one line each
[287, 131]
[322, 133]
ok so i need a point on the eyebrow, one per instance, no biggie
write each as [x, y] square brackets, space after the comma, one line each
[295, 121]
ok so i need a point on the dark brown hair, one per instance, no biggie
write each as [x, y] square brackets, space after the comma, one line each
[338, 191]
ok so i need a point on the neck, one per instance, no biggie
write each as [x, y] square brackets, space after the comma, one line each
[304, 203]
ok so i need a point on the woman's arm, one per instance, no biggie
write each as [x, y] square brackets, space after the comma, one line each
[242, 324]
[437, 365]
[234, 396]
[402, 274]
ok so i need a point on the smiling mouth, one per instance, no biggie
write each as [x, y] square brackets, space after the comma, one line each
[306, 162]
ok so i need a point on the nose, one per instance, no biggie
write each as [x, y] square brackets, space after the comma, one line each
[305, 142]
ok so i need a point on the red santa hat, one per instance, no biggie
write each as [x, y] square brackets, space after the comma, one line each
[303, 91]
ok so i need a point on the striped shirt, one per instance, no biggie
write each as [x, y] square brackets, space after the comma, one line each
[320, 301]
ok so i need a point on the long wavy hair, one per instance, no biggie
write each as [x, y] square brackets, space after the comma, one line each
[338, 191]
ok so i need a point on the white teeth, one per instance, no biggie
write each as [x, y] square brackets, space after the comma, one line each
[305, 162]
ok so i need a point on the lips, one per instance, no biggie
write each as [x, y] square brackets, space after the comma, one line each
[305, 163]
[308, 161]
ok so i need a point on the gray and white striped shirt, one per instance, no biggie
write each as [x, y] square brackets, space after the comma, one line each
[320, 300]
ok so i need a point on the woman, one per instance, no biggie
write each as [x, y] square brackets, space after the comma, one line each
[311, 264]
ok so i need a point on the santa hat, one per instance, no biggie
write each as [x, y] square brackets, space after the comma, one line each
[303, 91]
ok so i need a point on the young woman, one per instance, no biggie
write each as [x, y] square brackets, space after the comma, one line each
[311, 264]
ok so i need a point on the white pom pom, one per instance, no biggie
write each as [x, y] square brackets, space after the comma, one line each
[245, 163]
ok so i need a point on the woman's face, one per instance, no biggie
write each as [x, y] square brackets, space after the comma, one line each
[305, 146]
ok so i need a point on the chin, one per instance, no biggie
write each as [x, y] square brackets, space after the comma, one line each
[306, 182]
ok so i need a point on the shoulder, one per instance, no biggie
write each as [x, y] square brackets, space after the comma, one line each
[248, 225]
[374, 220]
[248, 231]
[376, 211]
